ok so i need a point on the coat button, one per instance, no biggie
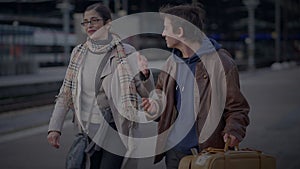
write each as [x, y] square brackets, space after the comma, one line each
[205, 76]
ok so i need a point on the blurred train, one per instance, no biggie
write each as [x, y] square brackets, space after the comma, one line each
[46, 46]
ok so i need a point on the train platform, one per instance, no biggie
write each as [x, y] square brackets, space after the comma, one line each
[33, 103]
[274, 117]
[20, 118]
[49, 74]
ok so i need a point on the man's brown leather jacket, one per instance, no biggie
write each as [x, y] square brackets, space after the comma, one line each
[234, 118]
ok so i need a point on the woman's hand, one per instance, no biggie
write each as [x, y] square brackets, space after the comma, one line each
[53, 138]
[148, 105]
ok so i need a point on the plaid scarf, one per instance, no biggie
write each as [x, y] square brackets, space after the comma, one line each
[127, 84]
[129, 99]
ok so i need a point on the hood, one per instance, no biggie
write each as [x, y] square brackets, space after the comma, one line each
[207, 46]
[215, 44]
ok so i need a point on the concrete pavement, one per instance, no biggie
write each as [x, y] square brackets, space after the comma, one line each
[30, 150]
[274, 97]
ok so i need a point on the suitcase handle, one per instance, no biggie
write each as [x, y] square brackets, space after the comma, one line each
[236, 148]
[225, 149]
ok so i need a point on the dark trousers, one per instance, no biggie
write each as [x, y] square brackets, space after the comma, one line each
[105, 160]
[173, 158]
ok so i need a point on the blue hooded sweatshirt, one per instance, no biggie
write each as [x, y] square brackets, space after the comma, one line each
[183, 135]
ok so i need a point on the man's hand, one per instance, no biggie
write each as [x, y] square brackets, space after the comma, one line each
[233, 140]
[143, 64]
[53, 139]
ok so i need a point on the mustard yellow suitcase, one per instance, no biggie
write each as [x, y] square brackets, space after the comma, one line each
[212, 158]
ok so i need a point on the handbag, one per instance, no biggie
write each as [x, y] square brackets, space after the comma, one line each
[76, 156]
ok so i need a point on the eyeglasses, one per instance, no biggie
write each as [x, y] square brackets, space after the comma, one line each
[92, 22]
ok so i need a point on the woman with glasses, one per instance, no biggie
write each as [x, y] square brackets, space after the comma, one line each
[99, 88]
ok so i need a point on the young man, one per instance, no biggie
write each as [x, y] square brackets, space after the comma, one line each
[202, 104]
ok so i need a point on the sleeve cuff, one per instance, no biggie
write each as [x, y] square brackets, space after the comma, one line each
[54, 131]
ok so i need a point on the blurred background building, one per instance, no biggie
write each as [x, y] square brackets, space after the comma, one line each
[41, 33]
[37, 36]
